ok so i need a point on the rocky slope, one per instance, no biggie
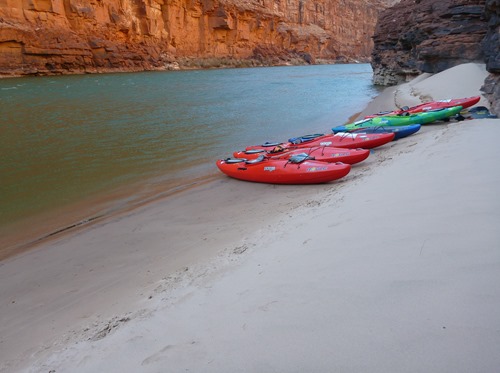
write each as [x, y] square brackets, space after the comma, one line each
[416, 36]
[73, 36]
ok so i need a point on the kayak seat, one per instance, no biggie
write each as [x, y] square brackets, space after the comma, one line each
[266, 144]
[301, 139]
[260, 158]
[234, 160]
[299, 158]
[254, 151]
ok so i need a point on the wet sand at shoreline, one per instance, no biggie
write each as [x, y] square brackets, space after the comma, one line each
[393, 268]
[70, 219]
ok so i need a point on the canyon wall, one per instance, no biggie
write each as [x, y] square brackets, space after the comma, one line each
[430, 36]
[491, 49]
[41, 37]
[416, 36]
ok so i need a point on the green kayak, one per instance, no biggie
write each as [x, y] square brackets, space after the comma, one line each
[404, 120]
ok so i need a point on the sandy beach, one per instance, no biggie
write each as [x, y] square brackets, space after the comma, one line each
[394, 268]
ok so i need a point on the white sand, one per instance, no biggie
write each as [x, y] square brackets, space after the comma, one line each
[461, 81]
[394, 269]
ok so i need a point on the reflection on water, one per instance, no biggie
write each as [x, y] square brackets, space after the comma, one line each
[81, 140]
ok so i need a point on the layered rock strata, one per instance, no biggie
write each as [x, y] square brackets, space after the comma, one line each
[430, 36]
[72, 36]
[427, 36]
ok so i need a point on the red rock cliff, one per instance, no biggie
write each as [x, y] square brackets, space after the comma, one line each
[73, 36]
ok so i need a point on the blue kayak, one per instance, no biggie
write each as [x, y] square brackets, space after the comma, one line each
[400, 131]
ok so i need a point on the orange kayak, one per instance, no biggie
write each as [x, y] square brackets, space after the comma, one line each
[320, 153]
[337, 140]
[296, 170]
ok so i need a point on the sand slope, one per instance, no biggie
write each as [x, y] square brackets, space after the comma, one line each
[460, 81]
[394, 269]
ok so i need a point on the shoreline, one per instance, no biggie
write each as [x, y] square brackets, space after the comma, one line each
[20, 230]
[107, 208]
[189, 64]
[243, 269]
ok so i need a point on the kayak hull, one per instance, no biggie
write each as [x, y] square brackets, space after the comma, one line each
[399, 131]
[403, 120]
[465, 102]
[337, 140]
[322, 153]
[281, 171]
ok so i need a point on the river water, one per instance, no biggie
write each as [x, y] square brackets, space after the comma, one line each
[76, 147]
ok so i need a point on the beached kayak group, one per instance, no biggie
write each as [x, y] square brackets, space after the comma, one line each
[320, 158]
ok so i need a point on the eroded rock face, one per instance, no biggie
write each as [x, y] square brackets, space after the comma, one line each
[491, 42]
[416, 36]
[491, 48]
[74, 36]
[429, 36]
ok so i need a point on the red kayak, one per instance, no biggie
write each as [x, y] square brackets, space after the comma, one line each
[296, 170]
[320, 153]
[337, 140]
[433, 105]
